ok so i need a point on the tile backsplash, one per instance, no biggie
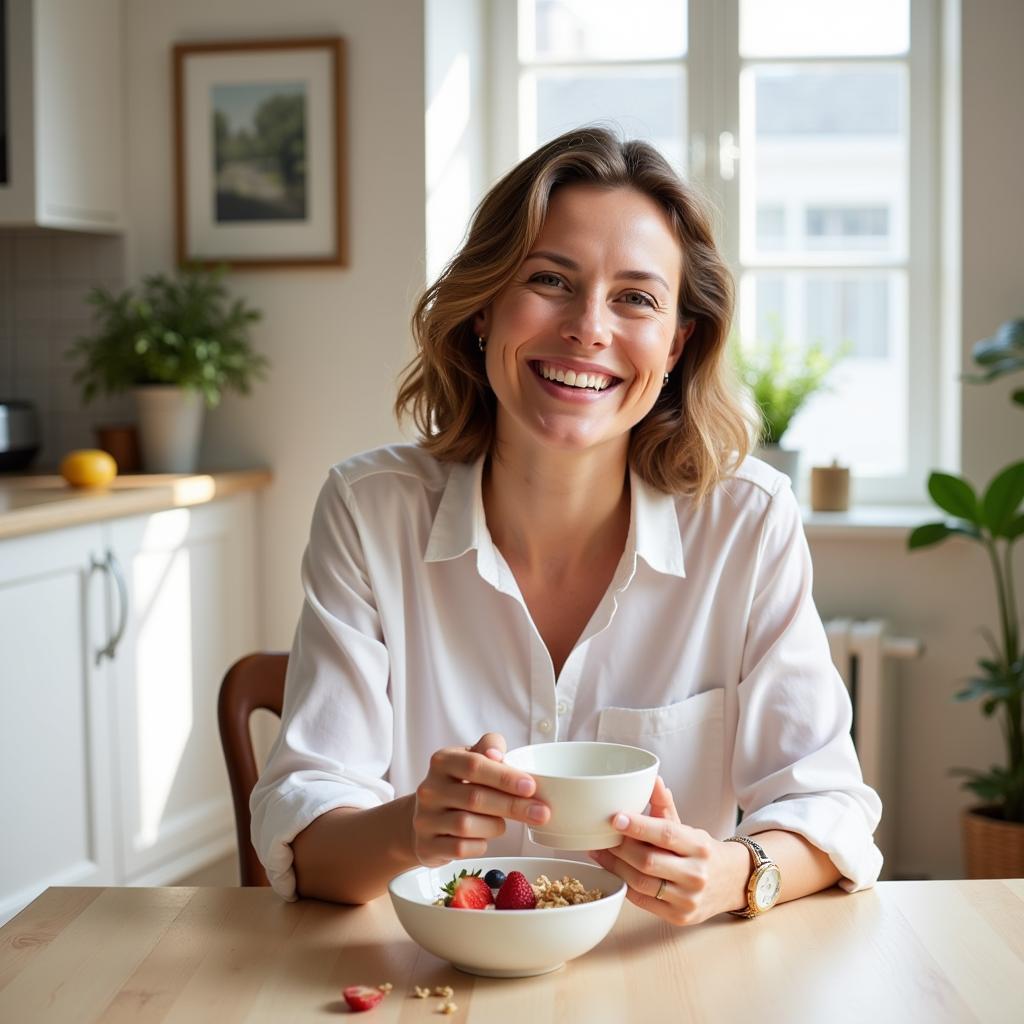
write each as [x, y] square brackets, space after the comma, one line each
[44, 279]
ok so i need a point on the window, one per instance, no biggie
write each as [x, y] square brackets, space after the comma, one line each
[805, 121]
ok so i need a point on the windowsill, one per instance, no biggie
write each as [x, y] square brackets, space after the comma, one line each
[868, 522]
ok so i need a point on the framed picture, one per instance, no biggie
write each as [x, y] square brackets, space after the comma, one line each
[259, 137]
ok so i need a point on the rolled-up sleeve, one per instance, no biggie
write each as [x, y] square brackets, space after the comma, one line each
[334, 747]
[794, 765]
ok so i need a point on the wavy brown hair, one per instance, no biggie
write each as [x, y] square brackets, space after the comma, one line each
[700, 428]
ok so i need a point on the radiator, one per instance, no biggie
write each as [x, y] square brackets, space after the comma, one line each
[863, 651]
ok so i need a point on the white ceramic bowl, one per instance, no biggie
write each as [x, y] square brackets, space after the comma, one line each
[585, 784]
[506, 943]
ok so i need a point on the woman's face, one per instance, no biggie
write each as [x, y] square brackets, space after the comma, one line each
[595, 304]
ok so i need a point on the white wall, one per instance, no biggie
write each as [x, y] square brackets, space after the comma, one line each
[336, 338]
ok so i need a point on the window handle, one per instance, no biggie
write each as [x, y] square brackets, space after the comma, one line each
[728, 155]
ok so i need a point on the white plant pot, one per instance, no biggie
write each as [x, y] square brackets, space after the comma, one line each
[170, 424]
[784, 460]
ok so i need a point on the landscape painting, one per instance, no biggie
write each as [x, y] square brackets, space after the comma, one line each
[259, 151]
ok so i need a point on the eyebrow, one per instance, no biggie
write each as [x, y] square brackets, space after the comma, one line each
[628, 275]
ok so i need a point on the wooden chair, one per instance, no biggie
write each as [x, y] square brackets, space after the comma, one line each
[255, 681]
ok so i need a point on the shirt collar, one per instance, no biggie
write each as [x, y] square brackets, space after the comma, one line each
[460, 526]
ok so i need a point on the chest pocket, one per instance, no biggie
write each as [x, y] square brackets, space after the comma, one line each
[688, 738]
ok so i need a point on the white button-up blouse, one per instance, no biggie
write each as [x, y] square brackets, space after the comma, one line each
[706, 649]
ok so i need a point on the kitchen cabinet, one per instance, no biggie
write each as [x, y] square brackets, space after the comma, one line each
[115, 637]
[64, 150]
[56, 724]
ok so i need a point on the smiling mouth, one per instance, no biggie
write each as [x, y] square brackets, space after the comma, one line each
[572, 381]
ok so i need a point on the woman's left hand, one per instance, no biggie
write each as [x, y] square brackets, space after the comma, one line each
[698, 876]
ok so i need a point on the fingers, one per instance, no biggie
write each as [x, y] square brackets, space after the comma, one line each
[465, 765]
[665, 833]
[491, 744]
[486, 801]
[662, 804]
[645, 882]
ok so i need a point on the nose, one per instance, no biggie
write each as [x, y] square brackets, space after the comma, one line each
[587, 321]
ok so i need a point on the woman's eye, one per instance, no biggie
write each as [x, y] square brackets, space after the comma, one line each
[546, 278]
[639, 299]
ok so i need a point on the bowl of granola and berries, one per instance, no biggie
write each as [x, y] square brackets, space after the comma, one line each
[508, 917]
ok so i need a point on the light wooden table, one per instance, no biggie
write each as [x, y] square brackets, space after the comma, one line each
[902, 952]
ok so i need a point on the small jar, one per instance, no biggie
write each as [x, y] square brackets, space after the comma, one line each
[830, 488]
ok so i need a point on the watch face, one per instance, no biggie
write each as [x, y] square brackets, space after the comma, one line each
[766, 891]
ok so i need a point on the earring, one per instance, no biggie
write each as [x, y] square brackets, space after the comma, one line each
[482, 343]
[664, 380]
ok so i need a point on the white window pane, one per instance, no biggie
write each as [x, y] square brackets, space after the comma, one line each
[861, 419]
[824, 28]
[574, 30]
[641, 103]
[828, 146]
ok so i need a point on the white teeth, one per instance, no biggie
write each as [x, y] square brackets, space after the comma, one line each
[593, 381]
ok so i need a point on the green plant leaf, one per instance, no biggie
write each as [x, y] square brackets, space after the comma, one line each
[1015, 528]
[954, 495]
[1005, 345]
[1003, 498]
[930, 533]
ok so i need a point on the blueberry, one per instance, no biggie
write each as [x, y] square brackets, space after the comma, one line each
[495, 878]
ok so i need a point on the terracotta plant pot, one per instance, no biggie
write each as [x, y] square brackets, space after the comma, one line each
[993, 848]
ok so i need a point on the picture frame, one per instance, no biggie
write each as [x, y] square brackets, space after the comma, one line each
[259, 153]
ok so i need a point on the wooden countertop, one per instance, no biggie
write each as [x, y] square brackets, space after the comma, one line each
[928, 952]
[30, 504]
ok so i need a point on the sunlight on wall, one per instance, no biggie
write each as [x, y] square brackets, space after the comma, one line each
[163, 656]
[448, 175]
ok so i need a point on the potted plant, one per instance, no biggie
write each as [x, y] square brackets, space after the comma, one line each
[993, 830]
[781, 378]
[178, 344]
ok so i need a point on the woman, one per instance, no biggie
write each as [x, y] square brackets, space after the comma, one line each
[578, 548]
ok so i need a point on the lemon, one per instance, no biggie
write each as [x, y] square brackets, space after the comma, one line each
[88, 467]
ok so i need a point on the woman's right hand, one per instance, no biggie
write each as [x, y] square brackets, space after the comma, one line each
[464, 801]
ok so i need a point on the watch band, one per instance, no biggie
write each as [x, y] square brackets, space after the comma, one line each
[760, 860]
[760, 857]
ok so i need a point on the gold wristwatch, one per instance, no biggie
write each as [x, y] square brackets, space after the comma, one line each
[765, 880]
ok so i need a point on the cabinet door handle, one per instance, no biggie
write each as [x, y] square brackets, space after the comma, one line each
[111, 565]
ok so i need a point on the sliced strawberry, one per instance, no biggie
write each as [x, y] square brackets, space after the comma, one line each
[471, 893]
[362, 997]
[516, 893]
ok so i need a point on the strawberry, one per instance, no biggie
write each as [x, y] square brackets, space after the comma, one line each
[362, 997]
[516, 893]
[468, 891]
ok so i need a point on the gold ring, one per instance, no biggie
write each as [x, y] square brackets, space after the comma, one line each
[664, 882]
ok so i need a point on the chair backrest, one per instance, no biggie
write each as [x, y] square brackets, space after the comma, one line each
[255, 681]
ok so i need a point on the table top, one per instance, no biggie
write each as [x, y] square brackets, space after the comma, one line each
[903, 951]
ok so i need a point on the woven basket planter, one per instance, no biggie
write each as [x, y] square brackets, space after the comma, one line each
[993, 848]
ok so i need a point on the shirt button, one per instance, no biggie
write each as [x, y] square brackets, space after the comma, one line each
[562, 707]
[544, 725]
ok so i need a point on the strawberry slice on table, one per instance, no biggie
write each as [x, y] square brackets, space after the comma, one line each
[516, 893]
[362, 997]
[468, 891]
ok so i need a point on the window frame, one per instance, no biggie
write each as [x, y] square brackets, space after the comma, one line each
[713, 68]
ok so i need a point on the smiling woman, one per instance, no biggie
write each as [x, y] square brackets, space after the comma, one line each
[578, 548]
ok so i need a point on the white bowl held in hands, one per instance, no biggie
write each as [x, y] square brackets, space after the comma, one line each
[585, 784]
[506, 943]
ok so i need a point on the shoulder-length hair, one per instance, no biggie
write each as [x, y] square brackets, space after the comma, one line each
[700, 429]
